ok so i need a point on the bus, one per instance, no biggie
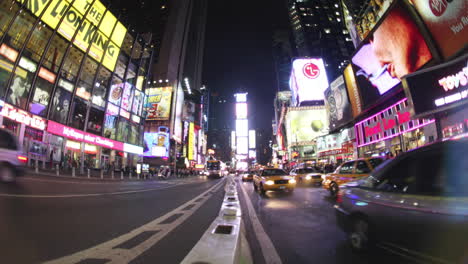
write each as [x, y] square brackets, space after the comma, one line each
[214, 169]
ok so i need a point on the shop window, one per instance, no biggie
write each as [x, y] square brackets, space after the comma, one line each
[95, 121]
[55, 53]
[72, 64]
[19, 30]
[7, 11]
[41, 97]
[100, 87]
[78, 114]
[20, 86]
[60, 106]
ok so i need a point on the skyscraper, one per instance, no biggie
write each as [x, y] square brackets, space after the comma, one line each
[318, 31]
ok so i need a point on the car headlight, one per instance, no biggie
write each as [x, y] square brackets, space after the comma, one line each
[308, 177]
[269, 182]
[245, 176]
[292, 181]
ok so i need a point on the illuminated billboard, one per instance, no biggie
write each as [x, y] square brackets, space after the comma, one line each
[353, 90]
[158, 103]
[241, 97]
[156, 144]
[252, 139]
[389, 54]
[337, 103]
[308, 80]
[242, 128]
[447, 21]
[241, 110]
[233, 139]
[99, 29]
[252, 154]
[177, 135]
[303, 124]
[438, 88]
[242, 145]
[191, 141]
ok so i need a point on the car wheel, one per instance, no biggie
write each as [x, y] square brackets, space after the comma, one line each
[7, 174]
[333, 189]
[359, 235]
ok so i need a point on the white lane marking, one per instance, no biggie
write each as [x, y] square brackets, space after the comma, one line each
[67, 180]
[108, 251]
[83, 195]
[268, 249]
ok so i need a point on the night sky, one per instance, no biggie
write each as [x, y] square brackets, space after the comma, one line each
[238, 55]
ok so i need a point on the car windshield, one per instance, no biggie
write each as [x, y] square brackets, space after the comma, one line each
[275, 172]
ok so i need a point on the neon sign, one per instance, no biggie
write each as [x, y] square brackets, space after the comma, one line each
[23, 117]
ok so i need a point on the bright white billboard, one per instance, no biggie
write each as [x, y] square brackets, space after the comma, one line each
[252, 139]
[242, 145]
[241, 110]
[241, 97]
[242, 128]
[233, 139]
[308, 80]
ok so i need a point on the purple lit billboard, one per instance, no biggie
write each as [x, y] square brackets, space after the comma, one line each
[308, 80]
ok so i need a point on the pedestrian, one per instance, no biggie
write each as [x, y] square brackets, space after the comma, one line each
[51, 159]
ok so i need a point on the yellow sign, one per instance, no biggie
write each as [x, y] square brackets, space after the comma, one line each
[103, 45]
[191, 139]
[158, 104]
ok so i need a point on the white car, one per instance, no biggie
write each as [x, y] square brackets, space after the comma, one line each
[11, 158]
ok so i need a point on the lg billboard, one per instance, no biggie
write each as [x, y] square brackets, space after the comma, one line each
[308, 81]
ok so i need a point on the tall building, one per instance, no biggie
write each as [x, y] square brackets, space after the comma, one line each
[176, 75]
[72, 82]
[282, 56]
[318, 31]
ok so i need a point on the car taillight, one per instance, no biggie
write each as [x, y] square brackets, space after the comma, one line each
[339, 196]
[22, 158]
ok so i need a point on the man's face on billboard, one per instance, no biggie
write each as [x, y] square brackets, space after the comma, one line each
[399, 44]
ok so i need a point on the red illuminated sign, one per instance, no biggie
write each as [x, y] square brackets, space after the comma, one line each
[68, 132]
[8, 52]
[332, 152]
[47, 75]
[311, 70]
[23, 117]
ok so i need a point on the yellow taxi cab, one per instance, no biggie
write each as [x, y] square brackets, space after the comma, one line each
[248, 176]
[350, 171]
[272, 179]
[307, 176]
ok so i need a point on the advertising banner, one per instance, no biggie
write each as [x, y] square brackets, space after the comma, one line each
[241, 110]
[156, 144]
[103, 45]
[308, 80]
[191, 141]
[447, 21]
[127, 96]
[116, 91]
[353, 90]
[393, 53]
[337, 103]
[178, 115]
[303, 124]
[158, 104]
[438, 88]
[189, 111]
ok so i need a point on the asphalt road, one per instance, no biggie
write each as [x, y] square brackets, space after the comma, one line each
[46, 219]
[302, 228]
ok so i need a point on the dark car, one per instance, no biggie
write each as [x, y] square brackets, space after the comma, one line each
[416, 203]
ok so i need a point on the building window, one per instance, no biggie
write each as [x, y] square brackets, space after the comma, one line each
[19, 30]
[72, 64]
[60, 105]
[78, 114]
[95, 121]
[98, 97]
[7, 10]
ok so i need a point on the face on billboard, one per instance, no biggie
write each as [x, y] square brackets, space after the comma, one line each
[308, 80]
[447, 22]
[156, 144]
[391, 53]
[305, 125]
[338, 105]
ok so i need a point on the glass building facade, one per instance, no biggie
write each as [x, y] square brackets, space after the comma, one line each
[72, 75]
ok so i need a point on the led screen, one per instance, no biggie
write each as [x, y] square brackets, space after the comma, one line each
[156, 144]
[389, 54]
[308, 80]
[242, 128]
[305, 123]
[158, 104]
[241, 110]
[242, 145]
[252, 139]
[447, 21]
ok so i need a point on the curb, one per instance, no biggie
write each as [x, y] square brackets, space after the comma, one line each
[224, 241]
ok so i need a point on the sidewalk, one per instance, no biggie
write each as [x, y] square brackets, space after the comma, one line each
[94, 175]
